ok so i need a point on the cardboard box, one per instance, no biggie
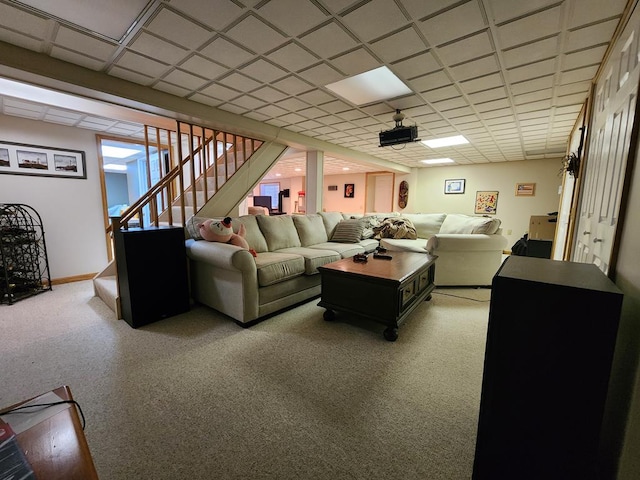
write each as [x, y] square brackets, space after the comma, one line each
[542, 227]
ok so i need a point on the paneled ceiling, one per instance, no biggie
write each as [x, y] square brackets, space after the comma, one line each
[511, 76]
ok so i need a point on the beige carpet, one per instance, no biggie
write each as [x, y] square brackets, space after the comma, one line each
[197, 397]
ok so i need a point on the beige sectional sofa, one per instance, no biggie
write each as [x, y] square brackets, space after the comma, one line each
[289, 249]
[469, 248]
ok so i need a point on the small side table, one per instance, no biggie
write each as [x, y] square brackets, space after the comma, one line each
[56, 447]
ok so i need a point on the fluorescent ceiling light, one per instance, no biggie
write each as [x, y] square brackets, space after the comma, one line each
[434, 161]
[118, 152]
[445, 142]
[345, 168]
[372, 86]
[115, 166]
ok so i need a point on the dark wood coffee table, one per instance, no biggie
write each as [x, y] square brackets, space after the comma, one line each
[386, 291]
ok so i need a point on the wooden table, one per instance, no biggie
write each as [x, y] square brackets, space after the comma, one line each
[386, 291]
[56, 447]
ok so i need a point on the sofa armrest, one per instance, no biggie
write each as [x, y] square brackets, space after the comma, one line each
[220, 255]
[465, 241]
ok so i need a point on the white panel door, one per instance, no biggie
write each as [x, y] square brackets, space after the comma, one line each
[613, 115]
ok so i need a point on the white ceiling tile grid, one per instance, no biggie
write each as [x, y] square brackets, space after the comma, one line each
[509, 75]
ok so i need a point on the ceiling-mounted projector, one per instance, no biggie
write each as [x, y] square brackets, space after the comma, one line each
[399, 134]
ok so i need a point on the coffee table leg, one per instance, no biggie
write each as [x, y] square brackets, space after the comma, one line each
[390, 334]
[329, 315]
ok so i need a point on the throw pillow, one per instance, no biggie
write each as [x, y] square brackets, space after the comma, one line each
[191, 226]
[459, 223]
[348, 231]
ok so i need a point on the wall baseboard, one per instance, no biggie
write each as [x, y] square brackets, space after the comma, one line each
[75, 278]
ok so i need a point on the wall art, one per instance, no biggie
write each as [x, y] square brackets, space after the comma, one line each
[24, 159]
[486, 202]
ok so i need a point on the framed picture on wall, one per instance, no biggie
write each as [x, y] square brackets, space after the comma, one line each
[454, 186]
[24, 159]
[486, 202]
[525, 189]
[349, 190]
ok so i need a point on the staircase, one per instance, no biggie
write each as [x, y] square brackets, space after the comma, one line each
[207, 159]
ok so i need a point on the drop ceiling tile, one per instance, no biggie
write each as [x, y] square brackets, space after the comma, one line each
[223, 51]
[256, 35]
[504, 10]
[159, 49]
[223, 14]
[571, 88]
[416, 66]
[240, 82]
[532, 85]
[352, 115]
[292, 85]
[257, 116]
[488, 95]
[374, 19]
[292, 16]
[59, 120]
[92, 126]
[592, 11]
[309, 124]
[321, 75]
[530, 53]
[530, 28]
[292, 104]
[578, 75]
[529, 107]
[291, 118]
[534, 70]
[466, 49]
[328, 41]
[486, 116]
[538, 95]
[406, 102]
[419, 8]
[315, 97]
[459, 112]
[185, 79]
[376, 109]
[475, 68]
[453, 24]
[355, 62]
[268, 94]
[572, 99]
[292, 57]
[272, 111]
[249, 102]
[220, 92]
[29, 24]
[263, 70]
[589, 36]
[430, 82]
[443, 93]
[203, 67]
[399, 45]
[82, 43]
[583, 58]
[312, 112]
[450, 104]
[483, 83]
[20, 40]
[77, 58]
[178, 29]
[129, 75]
[142, 65]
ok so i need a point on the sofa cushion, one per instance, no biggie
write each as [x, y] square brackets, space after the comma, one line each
[275, 267]
[348, 231]
[253, 235]
[404, 245]
[310, 229]
[330, 220]
[313, 257]
[426, 224]
[344, 249]
[279, 231]
[458, 223]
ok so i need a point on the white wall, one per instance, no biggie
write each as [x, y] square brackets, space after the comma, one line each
[334, 201]
[514, 212]
[71, 208]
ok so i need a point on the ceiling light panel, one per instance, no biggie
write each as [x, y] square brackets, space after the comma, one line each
[446, 141]
[368, 87]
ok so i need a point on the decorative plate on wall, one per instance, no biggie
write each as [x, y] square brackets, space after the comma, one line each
[403, 195]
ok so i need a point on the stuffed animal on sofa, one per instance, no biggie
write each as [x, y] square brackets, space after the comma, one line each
[221, 231]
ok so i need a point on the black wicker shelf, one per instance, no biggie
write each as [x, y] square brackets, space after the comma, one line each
[24, 266]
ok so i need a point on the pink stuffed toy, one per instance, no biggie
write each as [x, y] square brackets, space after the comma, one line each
[221, 231]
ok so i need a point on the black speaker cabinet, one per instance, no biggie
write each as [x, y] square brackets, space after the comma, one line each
[152, 273]
[550, 341]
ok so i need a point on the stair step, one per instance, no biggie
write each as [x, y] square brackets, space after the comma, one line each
[106, 288]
